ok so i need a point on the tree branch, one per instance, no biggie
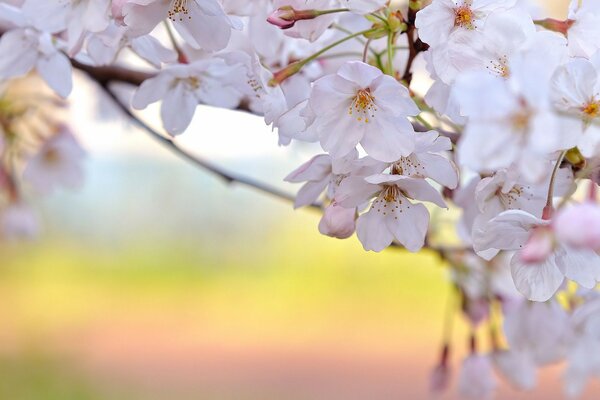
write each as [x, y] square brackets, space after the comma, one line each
[226, 176]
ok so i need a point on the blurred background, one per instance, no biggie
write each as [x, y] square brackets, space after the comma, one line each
[158, 281]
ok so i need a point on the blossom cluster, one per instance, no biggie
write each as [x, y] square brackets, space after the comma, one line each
[413, 108]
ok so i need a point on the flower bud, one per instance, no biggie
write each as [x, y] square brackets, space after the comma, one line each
[555, 25]
[579, 225]
[539, 246]
[338, 222]
[116, 9]
[286, 17]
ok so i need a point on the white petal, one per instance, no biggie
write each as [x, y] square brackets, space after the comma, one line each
[537, 282]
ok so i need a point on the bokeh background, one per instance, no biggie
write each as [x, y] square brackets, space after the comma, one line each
[158, 281]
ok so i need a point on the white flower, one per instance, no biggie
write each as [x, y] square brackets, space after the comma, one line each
[442, 18]
[201, 23]
[105, 46]
[576, 91]
[427, 162]
[538, 330]
[515, 123]
[360, 104]
[506, 190]
[182, 87]
[584, 352]
[78, 17]
[540, 265]
[17, 221]
[24, 49]
[476, 379]
[57, 163]
[392, 215]
[322, 173]
[584, 17]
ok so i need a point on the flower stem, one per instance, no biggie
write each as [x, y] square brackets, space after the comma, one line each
[549, 203]
[390, 53]
[295, 67]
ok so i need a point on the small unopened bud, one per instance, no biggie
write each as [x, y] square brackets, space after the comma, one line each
[396, 22]
[575, 158]
[555, 25]
[338, 222]
[539, 246]
[286, 17]
[415, 5]
[439, 379]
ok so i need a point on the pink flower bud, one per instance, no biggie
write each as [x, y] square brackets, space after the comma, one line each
[116, 8]
[579, 225]
[338, 222]
[439, 380]
[539, 246]
[286, 17]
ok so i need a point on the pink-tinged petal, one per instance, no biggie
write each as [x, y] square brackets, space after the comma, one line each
[415, 188]
[580, 265]
[517, 367]
[393, 97]
[204, 31]
[339, 136]
[579, 226]
[151, 50]
[333, 93]
[508, 231]
[440, 169]
[315, 169]
[539, 246]
[338, 222]
[18, 54]
[537, 282]
[476, 379]
[177, 110]
[354, 191]
[360, 73]
[372, 231]
[388, 140]
[310, 192]
[56, 71]
[410, 227]
[141, 17]
[152, 90]
[432, 142]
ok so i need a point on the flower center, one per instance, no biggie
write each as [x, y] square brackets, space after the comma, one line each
[408, 166]
[51, 157]
[391, 193]
[363, 106]
[179, 10]
[591, 110]
[464, 17]
[499, 67]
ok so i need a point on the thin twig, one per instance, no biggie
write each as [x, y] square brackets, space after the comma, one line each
[228, 177]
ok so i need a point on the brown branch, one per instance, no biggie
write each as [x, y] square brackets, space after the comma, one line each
[226, 176]
[104, 76]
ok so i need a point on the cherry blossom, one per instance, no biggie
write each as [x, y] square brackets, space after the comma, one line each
[182, 87]
[360, 104]
[57, 163]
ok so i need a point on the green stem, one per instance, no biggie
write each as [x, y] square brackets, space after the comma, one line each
[549, 201]
[390, 53]
[294, 68]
